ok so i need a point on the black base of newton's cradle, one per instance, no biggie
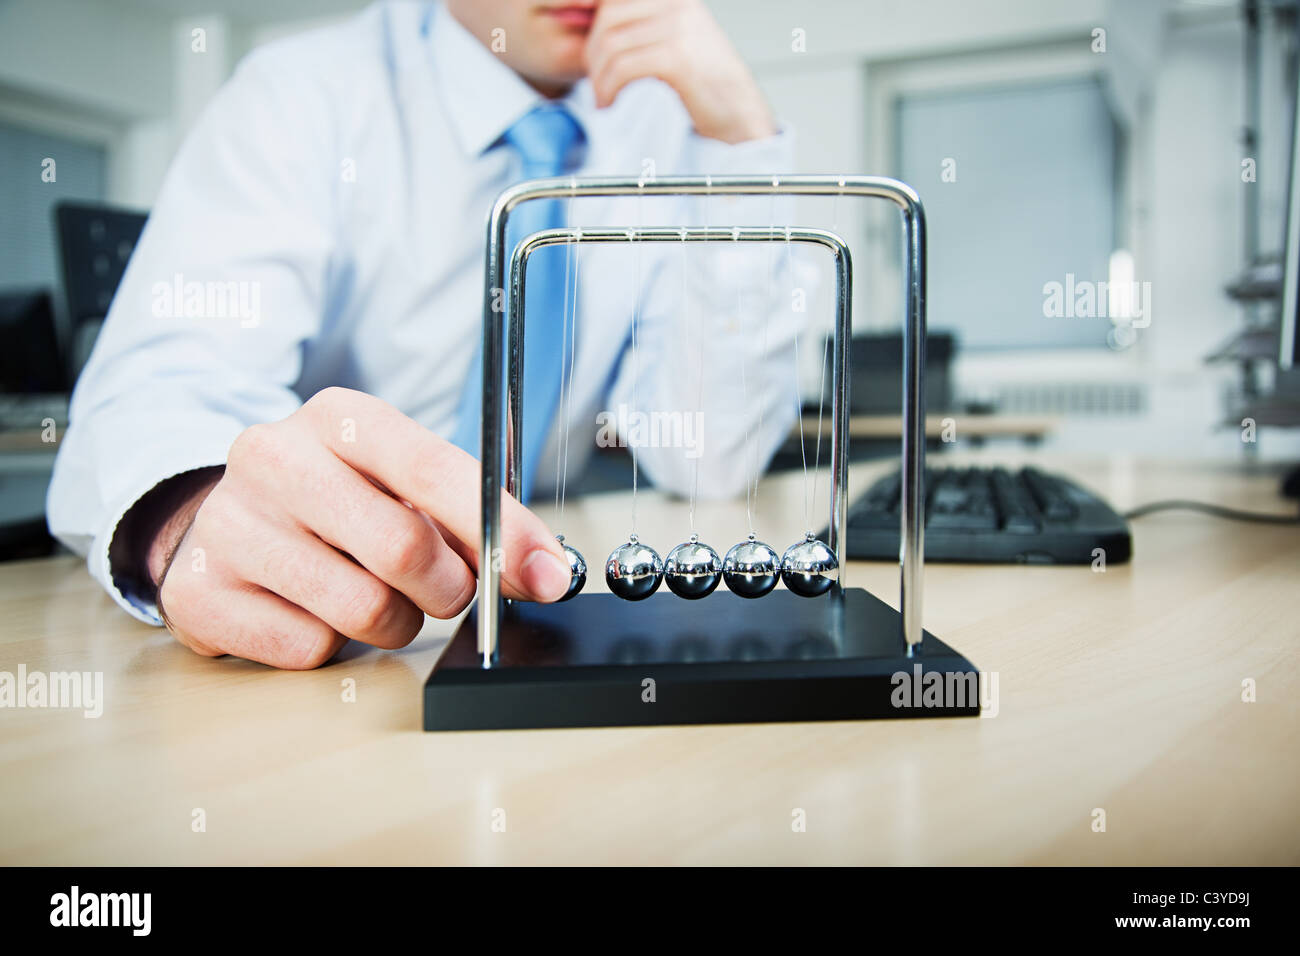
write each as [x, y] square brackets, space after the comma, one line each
[589, 662]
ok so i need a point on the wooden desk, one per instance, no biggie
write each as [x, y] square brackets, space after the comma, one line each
[1119, 691]
[967, 425]
[28, 440]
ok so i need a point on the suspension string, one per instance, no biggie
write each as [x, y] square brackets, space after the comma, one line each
[699, 394]
[699, 389]
[798, 395]
[744, 396]
[636, 364]
[826, 344]
[573, 361]
[771, 247]
[564, 357]
[767, 322]
[771, 270]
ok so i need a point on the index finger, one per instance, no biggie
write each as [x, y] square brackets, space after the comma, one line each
[441, 480]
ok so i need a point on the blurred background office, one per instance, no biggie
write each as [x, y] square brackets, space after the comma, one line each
[1140, 143]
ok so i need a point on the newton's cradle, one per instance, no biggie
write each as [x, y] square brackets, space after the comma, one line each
[742, 653]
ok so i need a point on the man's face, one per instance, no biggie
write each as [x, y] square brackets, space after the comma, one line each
[544, 42]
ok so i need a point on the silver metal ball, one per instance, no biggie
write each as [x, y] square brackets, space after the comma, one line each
[809, 568]
[634, 570]
[577, 569]
[692, 570]
[751, 569]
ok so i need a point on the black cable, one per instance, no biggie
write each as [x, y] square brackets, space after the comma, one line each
[1218, 511]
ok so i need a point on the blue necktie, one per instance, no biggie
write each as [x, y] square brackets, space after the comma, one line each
[545, 139]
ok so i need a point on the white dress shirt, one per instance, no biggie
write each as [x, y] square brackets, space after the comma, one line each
[331, 204]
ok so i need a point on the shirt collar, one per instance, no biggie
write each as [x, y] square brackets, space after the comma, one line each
[483, 97]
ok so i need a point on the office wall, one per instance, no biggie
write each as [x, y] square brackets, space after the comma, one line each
[1195, 182]
[132, 61]
[1189, 205]
[857, 30]
[1179, 91]
[86, 56]
[125, 75]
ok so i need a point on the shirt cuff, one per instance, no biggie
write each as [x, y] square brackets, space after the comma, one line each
[131, 595]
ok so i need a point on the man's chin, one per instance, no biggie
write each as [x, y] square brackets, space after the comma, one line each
[557, 81]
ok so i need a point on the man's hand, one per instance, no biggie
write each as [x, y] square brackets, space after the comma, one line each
[345, 520]
[678, 42]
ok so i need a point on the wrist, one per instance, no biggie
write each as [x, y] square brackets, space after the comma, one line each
[745, 129]
[151, 530]
[175, 517]
[745, 115]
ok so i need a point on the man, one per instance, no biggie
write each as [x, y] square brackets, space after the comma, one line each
[289, 463]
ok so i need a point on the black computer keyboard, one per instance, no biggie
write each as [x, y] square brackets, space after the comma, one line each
[992, 515]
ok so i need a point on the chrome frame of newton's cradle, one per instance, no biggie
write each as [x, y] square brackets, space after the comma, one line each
[504, 302]
[839, 377]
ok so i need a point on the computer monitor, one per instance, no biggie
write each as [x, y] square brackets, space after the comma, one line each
[95, 242]
[30, 362]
